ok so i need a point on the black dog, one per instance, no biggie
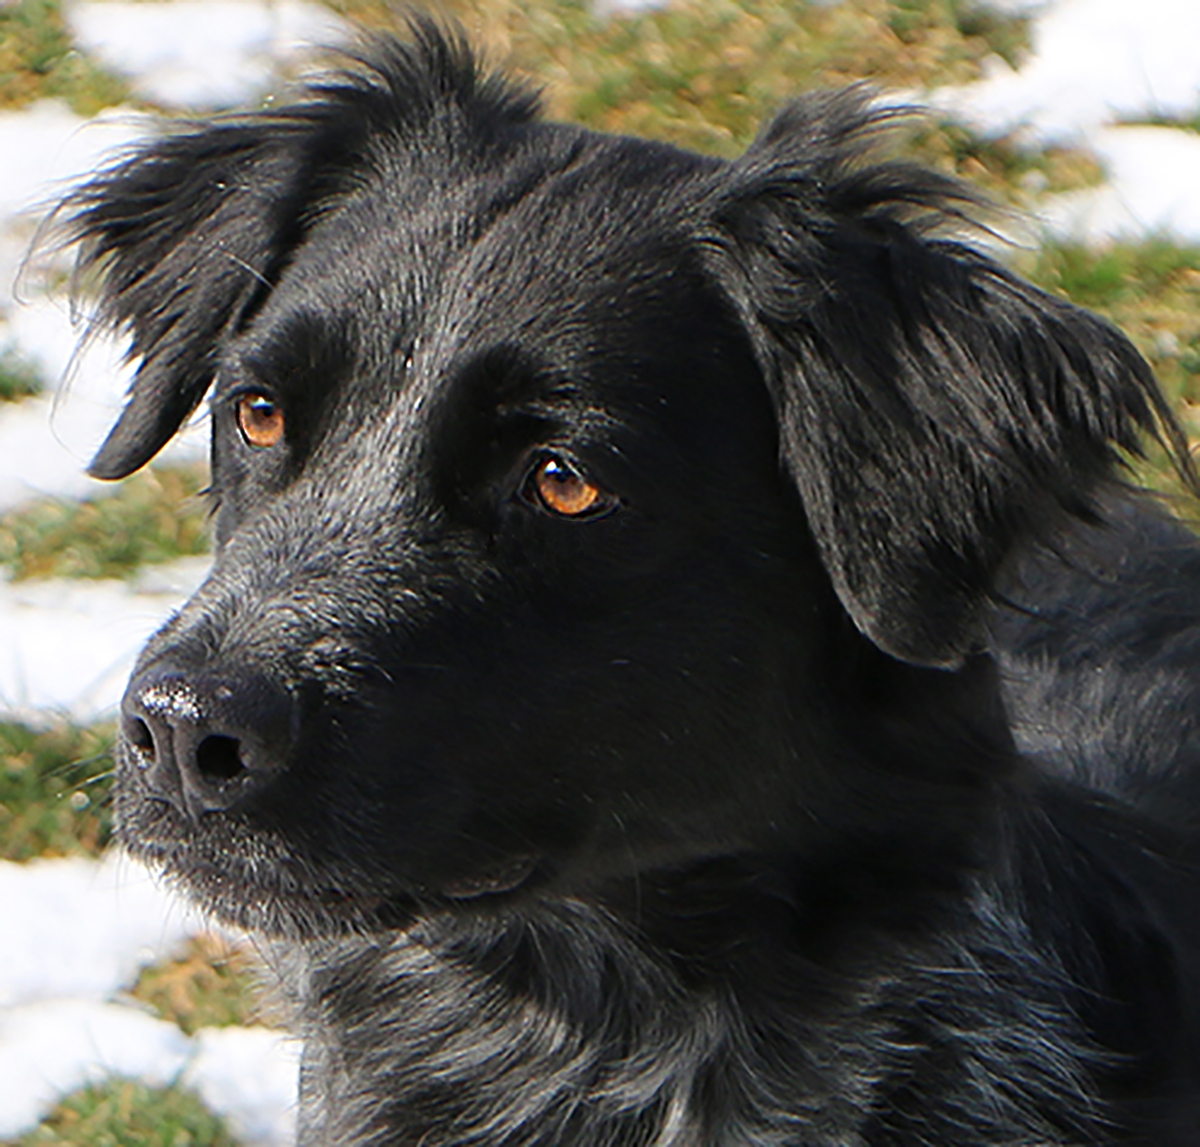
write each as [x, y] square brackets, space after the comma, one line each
[589, 690]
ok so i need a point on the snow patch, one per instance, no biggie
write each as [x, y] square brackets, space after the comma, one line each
[51, 1048]
[1153, 176]
[250, 1075]
[1094, 62]
[57, 149]
[197, 54]
[70, 644]
[77, 928]
[77, 932]
[47, 442]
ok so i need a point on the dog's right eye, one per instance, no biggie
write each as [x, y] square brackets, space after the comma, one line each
[260, 419]
[555, 485]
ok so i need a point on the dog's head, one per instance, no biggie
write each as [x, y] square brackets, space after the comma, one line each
[582, 504]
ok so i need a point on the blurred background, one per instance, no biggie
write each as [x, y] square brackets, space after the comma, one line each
[124, 1019]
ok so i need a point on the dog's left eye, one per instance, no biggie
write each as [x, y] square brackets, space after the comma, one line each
[556, 486]
[260, 419]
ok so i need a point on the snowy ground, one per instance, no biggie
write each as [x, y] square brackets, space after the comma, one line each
[1097, 65]
[75, 933]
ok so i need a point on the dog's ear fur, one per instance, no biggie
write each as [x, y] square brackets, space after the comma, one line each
[179, 240]
[186, 236]
[934, 409]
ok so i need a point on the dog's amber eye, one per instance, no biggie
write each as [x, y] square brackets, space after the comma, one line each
[564, 491]
[260, 420]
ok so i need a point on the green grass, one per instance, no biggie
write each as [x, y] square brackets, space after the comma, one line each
[19, 378]
[1004, 167]
[1151, 290]
[703, 73]
[124, 1113]
[38, 61]
[157, 515]
[1187, 122]
[210, 983]
[1119, 273]
[54, 790]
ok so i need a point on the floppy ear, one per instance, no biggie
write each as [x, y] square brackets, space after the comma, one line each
[187, 235]
[934, 409]
[181, 238]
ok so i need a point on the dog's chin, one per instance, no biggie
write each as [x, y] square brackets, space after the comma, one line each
[255, 881]
[299, 909]
[293, 915]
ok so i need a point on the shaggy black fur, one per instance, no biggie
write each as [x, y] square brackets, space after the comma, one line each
[693, 816]
[1100, 659]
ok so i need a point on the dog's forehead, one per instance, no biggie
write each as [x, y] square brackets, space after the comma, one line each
[568, 227]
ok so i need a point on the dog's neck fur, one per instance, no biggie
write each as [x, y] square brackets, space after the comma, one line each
[743, 1001]
[546, 1025]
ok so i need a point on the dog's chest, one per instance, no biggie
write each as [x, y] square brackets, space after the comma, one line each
[408, 1044]
[476, 1042]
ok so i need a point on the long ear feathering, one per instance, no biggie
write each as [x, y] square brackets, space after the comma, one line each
[184, 236]
[174, 242]
[935, 410]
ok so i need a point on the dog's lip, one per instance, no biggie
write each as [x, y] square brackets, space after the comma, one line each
[505, 877]
[213, 882]
[335, 898]
[335, 902]
[185, 860]
[208, 880]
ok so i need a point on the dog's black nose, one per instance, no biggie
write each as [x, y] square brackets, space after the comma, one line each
[206, 742]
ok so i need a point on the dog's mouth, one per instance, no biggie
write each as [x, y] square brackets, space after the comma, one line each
[255, 879]
[324, 910]
[276, 895]
[505, 877]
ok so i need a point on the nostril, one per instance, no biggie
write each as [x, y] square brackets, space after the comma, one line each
[140, 736]
[219, 758]
[206, 741]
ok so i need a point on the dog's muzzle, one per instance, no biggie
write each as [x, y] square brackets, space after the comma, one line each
[204, 742]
